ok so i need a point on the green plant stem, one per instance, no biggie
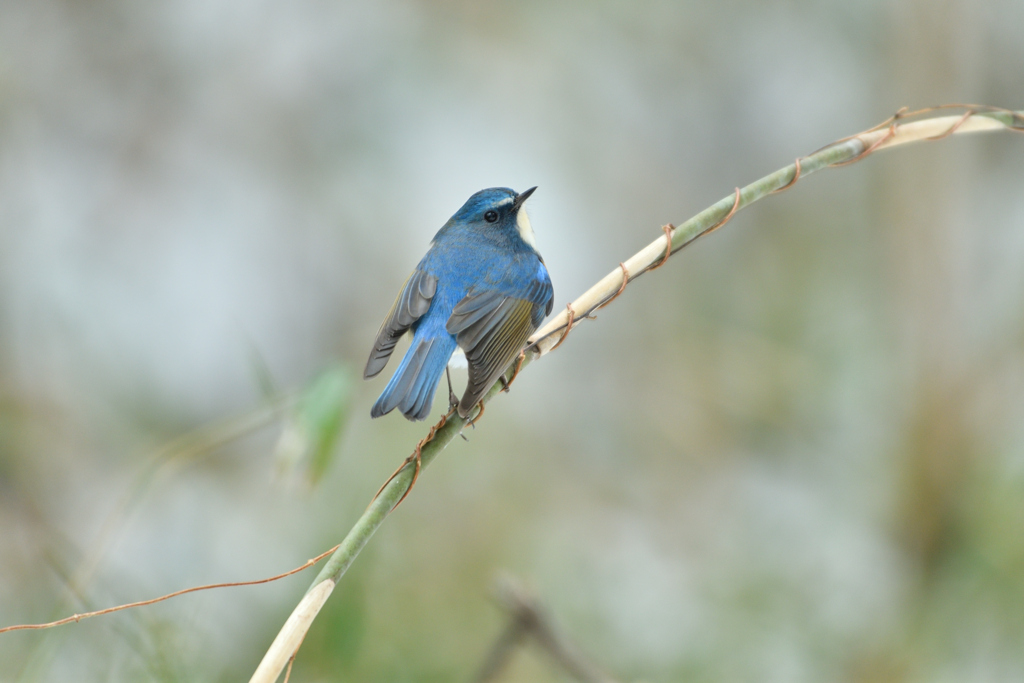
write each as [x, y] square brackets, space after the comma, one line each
[382, 505]
[545, 339]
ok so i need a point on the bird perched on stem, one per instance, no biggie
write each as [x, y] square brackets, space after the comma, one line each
[481, 287]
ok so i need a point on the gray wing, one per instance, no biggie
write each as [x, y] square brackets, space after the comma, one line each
[491, 327]
[412, 302]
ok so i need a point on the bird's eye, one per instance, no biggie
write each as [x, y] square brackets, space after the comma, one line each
[491, 216]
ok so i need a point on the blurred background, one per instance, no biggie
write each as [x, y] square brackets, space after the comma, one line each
[794, 454]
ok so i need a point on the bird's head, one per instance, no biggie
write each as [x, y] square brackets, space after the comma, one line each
[500, 209]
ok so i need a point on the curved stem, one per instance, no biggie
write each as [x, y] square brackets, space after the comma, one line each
[890, 134]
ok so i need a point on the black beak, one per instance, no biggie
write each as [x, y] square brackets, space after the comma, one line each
[522, 197]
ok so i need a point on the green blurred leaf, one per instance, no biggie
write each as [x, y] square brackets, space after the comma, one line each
[312, 429]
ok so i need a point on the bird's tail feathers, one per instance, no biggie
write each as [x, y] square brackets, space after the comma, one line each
[411, 388]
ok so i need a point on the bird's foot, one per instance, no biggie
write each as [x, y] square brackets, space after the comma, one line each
[476, 418]
[505, 384]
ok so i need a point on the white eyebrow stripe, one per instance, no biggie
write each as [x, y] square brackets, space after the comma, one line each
[503, 202]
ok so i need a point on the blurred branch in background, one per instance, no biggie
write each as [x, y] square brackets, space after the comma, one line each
[178, 452]
[184, 450]
[527, 619]
[313, 419]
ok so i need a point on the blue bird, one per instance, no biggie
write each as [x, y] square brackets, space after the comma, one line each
[481, 287]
